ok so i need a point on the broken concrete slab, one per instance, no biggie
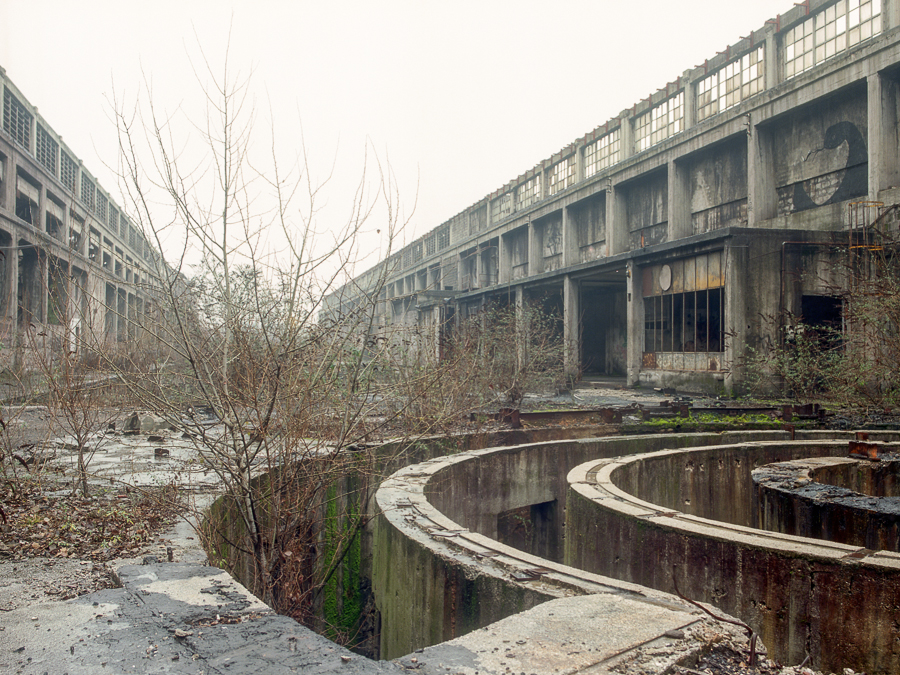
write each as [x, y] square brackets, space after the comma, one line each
[169, 618]
[591, 633]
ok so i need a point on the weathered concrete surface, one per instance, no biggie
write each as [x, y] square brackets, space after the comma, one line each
[571, 635]
[841, 499]
[436, 578]
[839, 604]
[133, 629]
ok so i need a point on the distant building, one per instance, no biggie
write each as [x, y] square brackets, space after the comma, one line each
[69, 256]
[670, 235]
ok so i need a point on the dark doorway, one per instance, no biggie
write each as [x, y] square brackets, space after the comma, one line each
[531, 529]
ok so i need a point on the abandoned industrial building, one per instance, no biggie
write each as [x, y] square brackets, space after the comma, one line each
[70, 260]
[666, 235]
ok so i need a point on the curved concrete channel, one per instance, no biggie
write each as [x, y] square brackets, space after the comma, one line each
[622, 515]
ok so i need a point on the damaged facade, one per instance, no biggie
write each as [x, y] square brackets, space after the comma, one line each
[672, 234]
[71, 262]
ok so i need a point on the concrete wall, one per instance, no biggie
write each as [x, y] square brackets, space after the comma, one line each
[64, 241]
[681, 516]
[438, 519]
[436, 575]
[850, 501]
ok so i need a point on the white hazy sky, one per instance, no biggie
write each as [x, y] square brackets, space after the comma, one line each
[459, 96]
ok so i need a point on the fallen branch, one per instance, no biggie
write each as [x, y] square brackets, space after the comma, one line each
[751, 635]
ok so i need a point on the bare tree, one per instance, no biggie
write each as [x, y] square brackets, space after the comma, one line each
[271, 393]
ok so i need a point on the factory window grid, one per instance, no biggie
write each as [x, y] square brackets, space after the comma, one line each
[443, 238]
[16, 120]
[102, 207]
[87, 192]
[430, 244]
[46, 149]
[68, 171]
[113, 221]
[528, 192]
[738, 80]
[684, 322]
[502, 207]
[601, 154]
[132, 237]
[562, 175]
[407, 257]
[659, 123]
[833, 30]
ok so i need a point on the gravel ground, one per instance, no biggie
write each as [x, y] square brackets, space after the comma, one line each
[29, 577]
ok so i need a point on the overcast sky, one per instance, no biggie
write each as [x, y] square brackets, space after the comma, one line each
[459, 96]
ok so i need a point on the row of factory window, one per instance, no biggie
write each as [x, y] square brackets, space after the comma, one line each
[20, 124]
[829, 32]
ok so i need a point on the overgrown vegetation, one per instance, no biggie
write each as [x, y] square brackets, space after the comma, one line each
[852, 361]
[114, 523]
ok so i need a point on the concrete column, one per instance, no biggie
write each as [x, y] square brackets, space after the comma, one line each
[535, 250]
[690, 100]
[436, 321]
[482, 269]
[12, 301]
[522, 327]
[890, 10]
[505, 260]
[11, 281]
[679, 198]
[762, 198]
[616, 222]
[626, 136]
[6, 181]
[569, 239]
[884, 160]
[579, 162]
[43, 286]
[571, 328]
[634, 349]
[772, 60]
[735, 313]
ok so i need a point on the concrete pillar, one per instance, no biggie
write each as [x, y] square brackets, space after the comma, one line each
[762, 198]
[774, 71]
[884, 159]
[11, 281]
[679, 198]
[437, 322]
[480, 272]
[735, 312]
[626, 136]
[579, 162]
[690, 100]
[42, 287]
[616, 222]
[634, 349]
[522, 327]
[890, 14]
[571, 328]
[505, 260]
[535, 250]
[569, 239]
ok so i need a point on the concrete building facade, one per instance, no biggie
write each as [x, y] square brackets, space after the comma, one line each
[70, 259]
[674, 232]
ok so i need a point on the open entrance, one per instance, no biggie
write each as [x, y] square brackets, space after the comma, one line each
[532, 528]
[604, 327]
